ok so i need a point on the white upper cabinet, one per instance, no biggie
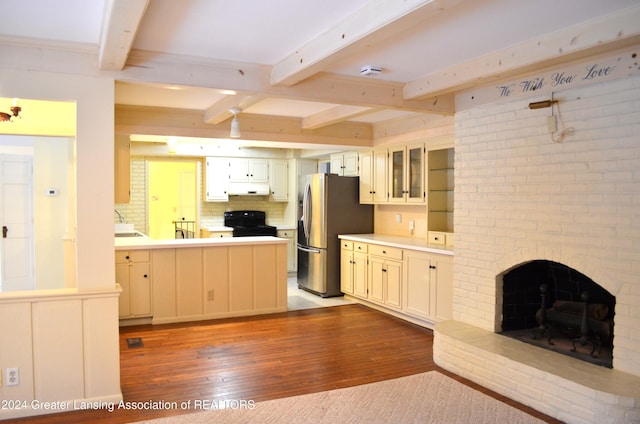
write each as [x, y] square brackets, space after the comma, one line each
[278, 180]
[243, 170]
[217, 179]
[344, 163]
[373, 176]
[406, 174]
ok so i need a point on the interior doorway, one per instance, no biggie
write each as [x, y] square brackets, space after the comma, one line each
[172, 191]
[16, 214]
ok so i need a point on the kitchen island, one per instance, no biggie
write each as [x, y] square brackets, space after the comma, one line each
[180, 280]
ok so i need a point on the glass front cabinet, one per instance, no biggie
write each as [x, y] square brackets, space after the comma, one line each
[406, 174]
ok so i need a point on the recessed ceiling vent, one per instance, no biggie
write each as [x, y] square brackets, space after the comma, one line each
[370, 71]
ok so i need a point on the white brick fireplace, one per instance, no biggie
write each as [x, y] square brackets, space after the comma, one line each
[520, 196]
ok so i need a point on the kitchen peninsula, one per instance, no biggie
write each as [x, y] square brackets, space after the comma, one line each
[179, 280]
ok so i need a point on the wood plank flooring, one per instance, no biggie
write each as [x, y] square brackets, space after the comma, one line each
[264, 357]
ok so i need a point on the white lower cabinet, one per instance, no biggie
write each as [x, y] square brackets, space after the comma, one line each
[133, 274]
[406, 282]
[292, 249]
[429, 283]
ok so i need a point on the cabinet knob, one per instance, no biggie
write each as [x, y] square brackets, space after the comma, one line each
[145, 275]
[126, 257]
[384, 252]
[432, 267]
[384, 270]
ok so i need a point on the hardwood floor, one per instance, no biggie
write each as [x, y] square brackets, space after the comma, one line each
[264, 357]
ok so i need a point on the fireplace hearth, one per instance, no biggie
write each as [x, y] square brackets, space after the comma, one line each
[555, 307]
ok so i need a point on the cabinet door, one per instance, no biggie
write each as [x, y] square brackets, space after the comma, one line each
[393, 284]
[217, 180]
[360, 274]
[415, 174]
[417, 276]
[258, 170]
[292, 250]
[122, 278]
[376, 279]
[278, 180]
[337, 164]
[346, 271]
[140, 286]
[366, 177]
[238, 170]
[442, 274]
[380, 191]
[396, 174]
[350, 164]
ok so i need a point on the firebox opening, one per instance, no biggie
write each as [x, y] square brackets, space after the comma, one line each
[555, 307]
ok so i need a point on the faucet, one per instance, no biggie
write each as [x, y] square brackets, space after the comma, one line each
[120, 216]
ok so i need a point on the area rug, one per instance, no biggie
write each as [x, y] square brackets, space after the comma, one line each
[430, 397]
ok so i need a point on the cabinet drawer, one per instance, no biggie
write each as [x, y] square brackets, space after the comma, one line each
[285, 233]
[440, 237]
[346, 245]
[360, 247]
[385, 251]
[123, 256]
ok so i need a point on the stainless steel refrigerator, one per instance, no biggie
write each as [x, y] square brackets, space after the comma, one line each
[330, 206]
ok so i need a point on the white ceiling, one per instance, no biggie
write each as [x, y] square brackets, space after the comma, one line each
[247, 36]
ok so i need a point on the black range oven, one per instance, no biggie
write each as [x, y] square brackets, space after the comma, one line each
[249, 223]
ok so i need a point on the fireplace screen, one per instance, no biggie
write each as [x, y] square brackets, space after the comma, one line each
[556, 307]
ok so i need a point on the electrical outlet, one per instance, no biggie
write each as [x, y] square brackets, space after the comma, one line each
[412, 225]
[211, 295]
[13, 376]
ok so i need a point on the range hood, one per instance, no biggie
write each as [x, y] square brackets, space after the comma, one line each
[248, 189]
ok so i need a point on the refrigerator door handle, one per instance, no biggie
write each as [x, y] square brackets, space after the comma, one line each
[308, 249]
[306, 210]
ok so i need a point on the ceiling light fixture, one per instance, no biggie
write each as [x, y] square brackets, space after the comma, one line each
[370, 71]
[15, 111]
[235, 125]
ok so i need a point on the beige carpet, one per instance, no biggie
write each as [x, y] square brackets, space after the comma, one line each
[423, 398]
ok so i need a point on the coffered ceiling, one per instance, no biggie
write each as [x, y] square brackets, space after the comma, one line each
[299, 62]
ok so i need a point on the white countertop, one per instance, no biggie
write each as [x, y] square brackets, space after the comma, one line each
[286, 227]
[400, 242]
[137, 243]
[219, 228]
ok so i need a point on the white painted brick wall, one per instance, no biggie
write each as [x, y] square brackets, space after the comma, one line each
[519, 196]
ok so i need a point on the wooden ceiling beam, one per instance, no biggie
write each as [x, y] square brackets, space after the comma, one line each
[333, 115]
[120, 23]
[250, 78]
[373, 23]
[592, 37]
[189, 123]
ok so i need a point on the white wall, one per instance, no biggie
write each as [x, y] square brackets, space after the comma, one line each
[50, 168]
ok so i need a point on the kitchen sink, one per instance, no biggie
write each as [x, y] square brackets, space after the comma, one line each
[134, 234]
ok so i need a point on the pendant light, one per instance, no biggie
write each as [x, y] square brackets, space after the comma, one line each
[235, 125]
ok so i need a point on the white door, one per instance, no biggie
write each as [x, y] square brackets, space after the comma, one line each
[16, 216]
